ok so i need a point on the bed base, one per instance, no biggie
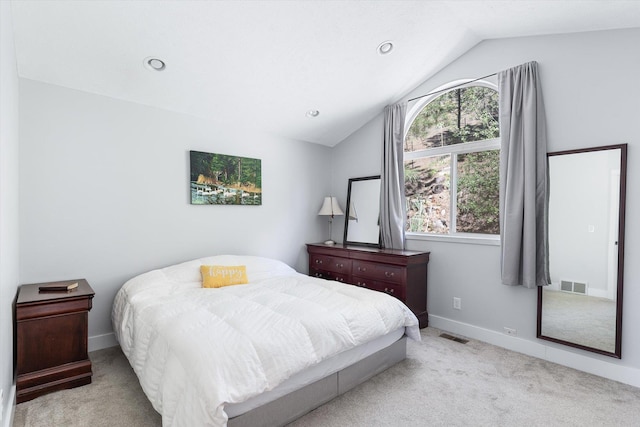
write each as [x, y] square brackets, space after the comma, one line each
[297, 403]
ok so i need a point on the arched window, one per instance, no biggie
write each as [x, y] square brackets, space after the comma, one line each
[451, 162]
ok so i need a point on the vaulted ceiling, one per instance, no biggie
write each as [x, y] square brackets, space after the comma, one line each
[262, 65]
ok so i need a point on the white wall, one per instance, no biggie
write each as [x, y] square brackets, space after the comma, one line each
[9, 222]
[357, 156]
[591, 91]
[104, 193]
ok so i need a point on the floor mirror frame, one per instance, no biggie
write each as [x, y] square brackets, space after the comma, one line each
[617, 352]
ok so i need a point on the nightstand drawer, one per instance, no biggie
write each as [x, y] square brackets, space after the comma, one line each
[53, 308]
[383, 272]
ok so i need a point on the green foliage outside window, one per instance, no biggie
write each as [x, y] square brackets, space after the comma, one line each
[478, 192]
[456, 117]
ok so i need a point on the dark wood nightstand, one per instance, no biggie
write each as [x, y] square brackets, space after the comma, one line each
[51, 339]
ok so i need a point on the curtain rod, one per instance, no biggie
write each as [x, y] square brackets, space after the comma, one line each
[452, 87]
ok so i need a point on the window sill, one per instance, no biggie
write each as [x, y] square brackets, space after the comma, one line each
[474, 239]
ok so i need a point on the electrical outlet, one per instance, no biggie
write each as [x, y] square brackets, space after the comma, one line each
[510, 331]
[457, 303]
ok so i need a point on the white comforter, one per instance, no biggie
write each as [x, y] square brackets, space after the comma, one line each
[195, 349]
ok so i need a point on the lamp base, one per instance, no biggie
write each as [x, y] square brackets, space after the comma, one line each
[330, 242]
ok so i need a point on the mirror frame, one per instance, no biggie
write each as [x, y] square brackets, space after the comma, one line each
[617, 353]
[346, 217]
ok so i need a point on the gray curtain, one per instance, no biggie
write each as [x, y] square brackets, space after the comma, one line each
[524, 183]
[392, 198]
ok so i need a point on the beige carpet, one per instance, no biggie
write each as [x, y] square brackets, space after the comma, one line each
[441, 383]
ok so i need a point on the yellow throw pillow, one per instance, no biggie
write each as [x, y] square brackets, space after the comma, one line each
[217, 276]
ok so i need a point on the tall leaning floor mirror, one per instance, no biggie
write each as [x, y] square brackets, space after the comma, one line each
[582, 307]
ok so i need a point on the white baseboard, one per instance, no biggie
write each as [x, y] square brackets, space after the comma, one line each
[599, 293]
[577, 359]
[9, 410]
[98, 342]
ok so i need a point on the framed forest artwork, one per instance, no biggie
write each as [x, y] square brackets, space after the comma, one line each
[218, 179]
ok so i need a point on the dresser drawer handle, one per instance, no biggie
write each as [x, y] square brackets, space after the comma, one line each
[318, 261]
[361, 284]
[389, 273]
[389, 291]
[362, 269]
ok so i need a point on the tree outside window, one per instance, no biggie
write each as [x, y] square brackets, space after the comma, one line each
[452, 148]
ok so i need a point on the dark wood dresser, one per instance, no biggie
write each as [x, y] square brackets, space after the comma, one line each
[51, 339]
[402, 274]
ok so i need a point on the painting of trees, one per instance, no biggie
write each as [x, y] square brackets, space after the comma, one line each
[223, 179]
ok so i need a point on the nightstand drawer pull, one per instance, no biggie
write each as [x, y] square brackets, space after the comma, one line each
[389, 291]
[339, 265]
[318, 261]
[389, 273]
[362, 269]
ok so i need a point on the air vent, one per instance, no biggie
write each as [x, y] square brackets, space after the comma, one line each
[573, 287]
[452, 338]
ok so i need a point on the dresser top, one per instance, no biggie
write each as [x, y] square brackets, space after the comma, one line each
[31, 293]
[366, 249]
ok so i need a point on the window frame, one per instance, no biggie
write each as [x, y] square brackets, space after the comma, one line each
[454, 151]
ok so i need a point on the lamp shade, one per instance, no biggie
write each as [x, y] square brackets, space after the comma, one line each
[330, 207]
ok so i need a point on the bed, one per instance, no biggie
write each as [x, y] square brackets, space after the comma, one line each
[259, 353]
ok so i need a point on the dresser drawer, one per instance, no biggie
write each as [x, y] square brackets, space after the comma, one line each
[339, 277]
[390, 288]
[329, 263]
[383, 272]
[329, 275]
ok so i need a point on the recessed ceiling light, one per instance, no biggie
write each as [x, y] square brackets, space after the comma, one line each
[313, 113]
[154, 64]
[385, 48]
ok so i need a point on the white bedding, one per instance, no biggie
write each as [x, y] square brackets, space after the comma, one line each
[195, 349]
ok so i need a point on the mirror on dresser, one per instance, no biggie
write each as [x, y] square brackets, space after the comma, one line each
[362, 217]
[582, 307]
